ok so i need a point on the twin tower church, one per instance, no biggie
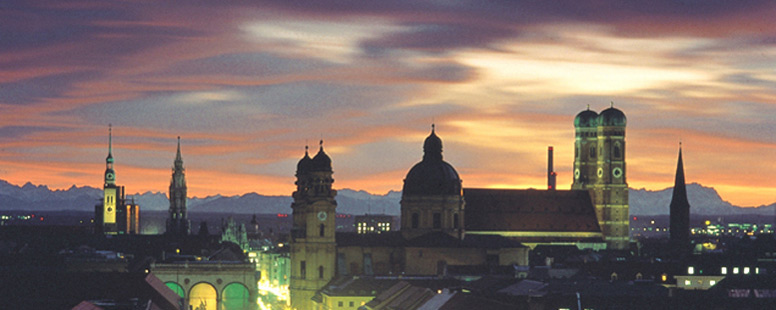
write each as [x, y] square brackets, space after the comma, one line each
[444, 225]
[118, 215]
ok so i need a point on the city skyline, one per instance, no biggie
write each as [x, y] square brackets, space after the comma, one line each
[248, 84]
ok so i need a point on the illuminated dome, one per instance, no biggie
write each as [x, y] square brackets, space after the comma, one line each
[586, 118]
[612, 117]
[432, 176]
[321, 161]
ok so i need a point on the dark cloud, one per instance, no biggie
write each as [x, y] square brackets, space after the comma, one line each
[260, 65]
[34, 89]
[16, 133]
[438, 38]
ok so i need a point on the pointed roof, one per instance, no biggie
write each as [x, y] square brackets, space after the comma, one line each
[109, 159]
[680, 189]
[178, 157]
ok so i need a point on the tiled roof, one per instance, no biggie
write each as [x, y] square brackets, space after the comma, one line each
[529, 210]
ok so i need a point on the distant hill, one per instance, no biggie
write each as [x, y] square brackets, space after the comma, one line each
[703, 200]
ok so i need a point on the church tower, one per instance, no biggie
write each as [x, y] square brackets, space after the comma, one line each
[599, 166]
[313, 244]
[585, 149]
[680, 210]
[111, 192]
[432, 198]
[178, 222]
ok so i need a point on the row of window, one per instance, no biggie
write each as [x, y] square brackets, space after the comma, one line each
[724, 270]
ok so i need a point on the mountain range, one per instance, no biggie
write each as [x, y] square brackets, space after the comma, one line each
[703, 201]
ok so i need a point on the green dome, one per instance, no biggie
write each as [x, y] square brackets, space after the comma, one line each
[612, 117]
[586, 119]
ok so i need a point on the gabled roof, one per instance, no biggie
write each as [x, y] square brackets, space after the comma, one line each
[529, 210]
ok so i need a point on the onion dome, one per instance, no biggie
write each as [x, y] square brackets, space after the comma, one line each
[432, 176]
[586, 119]
[612, 117]
[321, 161]
[305, 164]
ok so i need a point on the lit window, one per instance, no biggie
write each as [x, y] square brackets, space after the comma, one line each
[746, 270]
[687, 283]
[712, 282]
[735, 270]
[724, 270]
[691, 270]
[756, 270]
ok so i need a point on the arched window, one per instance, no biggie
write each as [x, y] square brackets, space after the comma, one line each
[592, 152]
[322, 230]
[320, 272]
[576, 152]
[455, 220]
[617, 151]
[415, 220]
[437, 220]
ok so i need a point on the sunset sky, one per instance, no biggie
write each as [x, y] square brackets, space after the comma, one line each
[246, 84]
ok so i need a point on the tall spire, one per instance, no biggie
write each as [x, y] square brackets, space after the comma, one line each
[109, 159]
[680, 209]
[178, 157]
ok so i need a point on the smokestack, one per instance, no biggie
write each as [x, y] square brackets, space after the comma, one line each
[550, 170]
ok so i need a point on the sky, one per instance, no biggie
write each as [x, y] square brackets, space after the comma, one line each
[247, 84]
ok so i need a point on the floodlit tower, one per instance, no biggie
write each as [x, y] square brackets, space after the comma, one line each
[313, 245]
[111, 192]
[599, 166]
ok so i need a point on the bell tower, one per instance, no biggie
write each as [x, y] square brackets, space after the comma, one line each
[599, 167]
[178, 222]
[611, 187]
[111, 194]
[313, 244]
[585, 149]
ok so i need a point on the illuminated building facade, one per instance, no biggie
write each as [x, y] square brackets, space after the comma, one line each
[599, 167]
[313, 245]
[178, 222]
[373, 224]
[115, 215]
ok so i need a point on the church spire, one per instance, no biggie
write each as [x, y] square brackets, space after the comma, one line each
[680, 209]
[109, 159]
[178, 157]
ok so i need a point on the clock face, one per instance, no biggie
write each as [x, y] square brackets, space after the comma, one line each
[109, 176]
[322, 215]
[110, 210]
[600, 172]
[576, 173]
[617, 172]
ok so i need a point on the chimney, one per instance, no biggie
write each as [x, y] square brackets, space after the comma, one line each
[550, 170]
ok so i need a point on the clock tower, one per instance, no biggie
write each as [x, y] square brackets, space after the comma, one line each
[599, 167]
[110, 191]
[313, 245]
